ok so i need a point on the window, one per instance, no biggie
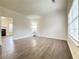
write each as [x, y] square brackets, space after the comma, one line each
[10, 27]
[73, 22]
[34, 26]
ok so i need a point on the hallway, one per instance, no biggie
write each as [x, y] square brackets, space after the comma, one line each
[35, 48]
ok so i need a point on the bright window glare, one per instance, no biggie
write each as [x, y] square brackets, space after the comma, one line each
[34, 27]
[73, 22]
[34, 19]
[10, 27]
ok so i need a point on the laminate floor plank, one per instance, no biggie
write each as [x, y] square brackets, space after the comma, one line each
[35, 48]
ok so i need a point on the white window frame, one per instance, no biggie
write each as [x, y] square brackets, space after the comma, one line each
[73, 26]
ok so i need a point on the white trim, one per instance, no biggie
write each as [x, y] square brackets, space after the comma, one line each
[74, 41]
[58, 38]
[17, 38]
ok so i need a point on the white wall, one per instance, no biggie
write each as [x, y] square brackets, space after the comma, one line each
[21, 27]
[54, 25]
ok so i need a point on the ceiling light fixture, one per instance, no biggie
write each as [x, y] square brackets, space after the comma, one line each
[53, 0]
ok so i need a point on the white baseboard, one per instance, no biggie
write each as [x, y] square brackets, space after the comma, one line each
[17, 38]
[54, 37]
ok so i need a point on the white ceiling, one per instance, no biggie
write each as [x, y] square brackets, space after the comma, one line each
[36, 7]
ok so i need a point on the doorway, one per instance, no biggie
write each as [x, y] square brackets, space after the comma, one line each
[6, 26]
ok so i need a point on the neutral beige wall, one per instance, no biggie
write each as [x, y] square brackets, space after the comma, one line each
[54, 25]
[0, 11]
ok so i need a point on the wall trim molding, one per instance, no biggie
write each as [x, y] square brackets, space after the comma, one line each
[53, 38]
[21, 37]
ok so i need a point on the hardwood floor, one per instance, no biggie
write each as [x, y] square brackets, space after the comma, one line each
[35, 48]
